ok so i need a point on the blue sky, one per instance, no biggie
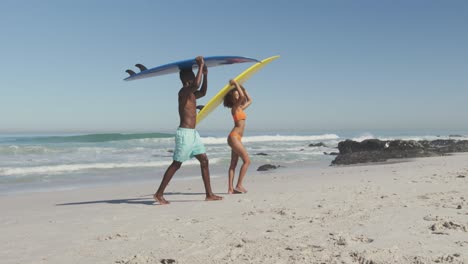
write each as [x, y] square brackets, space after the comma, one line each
[344, 65]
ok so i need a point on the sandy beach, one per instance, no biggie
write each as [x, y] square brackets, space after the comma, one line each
[414, 211]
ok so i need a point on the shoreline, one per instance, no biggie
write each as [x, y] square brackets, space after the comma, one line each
[392, 213]
[146, 176]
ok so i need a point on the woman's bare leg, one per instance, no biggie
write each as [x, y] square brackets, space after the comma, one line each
[232, 171]
[240, 150]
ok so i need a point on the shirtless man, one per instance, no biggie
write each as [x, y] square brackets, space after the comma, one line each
[188, 142]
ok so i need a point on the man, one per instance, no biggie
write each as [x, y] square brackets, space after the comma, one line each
[188, 142]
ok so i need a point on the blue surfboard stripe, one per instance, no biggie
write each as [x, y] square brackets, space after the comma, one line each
[184, 64]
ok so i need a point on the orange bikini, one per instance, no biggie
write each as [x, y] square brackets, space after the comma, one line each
[239, 115]
[236, 135]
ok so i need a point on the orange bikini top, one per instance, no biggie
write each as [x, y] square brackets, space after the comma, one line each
[239, 115]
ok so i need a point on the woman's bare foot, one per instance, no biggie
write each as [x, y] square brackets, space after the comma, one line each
[160, 199]
[213, 197]
[240, 189]
[230, 191]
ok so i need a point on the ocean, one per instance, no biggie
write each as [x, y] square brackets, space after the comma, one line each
[31, 163]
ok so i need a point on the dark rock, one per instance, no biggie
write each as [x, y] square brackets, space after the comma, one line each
[267, 167]
[317, 145]
[374, 150]
[168, 261]
[446, 145]
[261, 154]
[331, 153]
[350, 146]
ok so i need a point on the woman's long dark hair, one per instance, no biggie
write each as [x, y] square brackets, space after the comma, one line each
[229, 99]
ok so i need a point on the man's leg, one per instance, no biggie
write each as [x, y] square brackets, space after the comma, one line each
[171, 170]
[205, 171]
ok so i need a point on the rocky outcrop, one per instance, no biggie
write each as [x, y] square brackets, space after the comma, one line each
[321, 144]
[374, 150]
[267, 167]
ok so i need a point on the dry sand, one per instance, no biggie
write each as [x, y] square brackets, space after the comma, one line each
[408, 212]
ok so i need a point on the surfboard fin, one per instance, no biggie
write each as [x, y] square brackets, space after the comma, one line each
[130, 72]
[141, 67]
[200, 107]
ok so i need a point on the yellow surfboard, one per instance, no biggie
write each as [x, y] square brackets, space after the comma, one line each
[241, 78]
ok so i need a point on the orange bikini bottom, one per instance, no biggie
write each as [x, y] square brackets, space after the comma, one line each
[236, 135]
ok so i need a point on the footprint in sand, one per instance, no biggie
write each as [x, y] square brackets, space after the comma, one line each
[284, 212]
[423, 197]
[252, 213]
[138, 258]
[317, 248]
[441, 226]
[359, 258]
[168, 261]
[432, 218]
[113, 237]
[444, 224]
[449, 199]
[194, 221]
[338, 239]
[462, 243]
[450, 258]
[363, 239]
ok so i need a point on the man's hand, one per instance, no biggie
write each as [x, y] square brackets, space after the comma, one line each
[200, 61]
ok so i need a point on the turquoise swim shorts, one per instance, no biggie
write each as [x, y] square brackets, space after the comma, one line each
[188, 144]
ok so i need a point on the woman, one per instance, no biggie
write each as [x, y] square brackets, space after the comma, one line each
[238, 100]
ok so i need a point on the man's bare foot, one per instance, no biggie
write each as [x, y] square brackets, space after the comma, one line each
[240, 190]
[230, 191]
[160, 199]
[213, 197]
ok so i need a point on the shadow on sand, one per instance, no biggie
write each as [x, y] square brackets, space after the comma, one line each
[145, 200]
